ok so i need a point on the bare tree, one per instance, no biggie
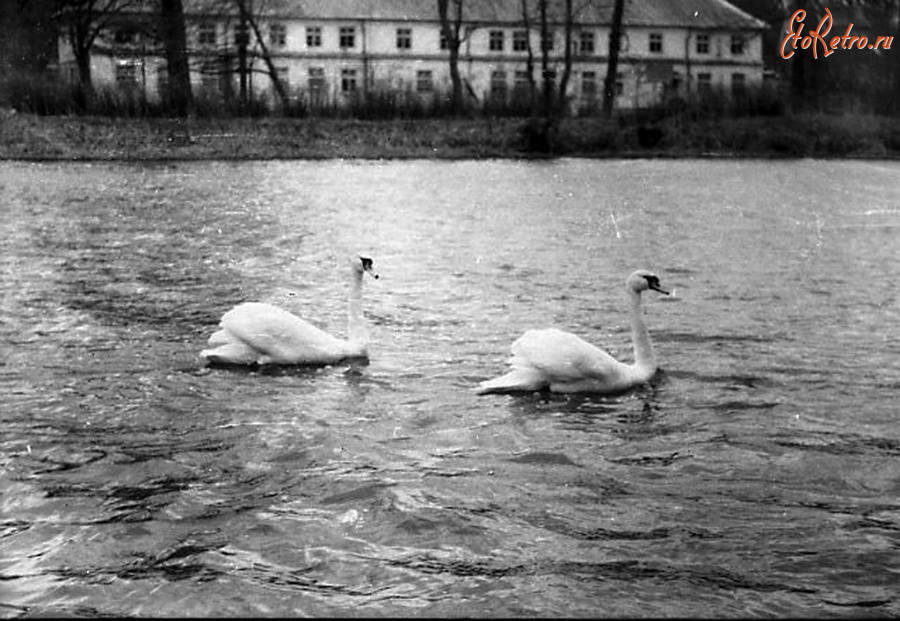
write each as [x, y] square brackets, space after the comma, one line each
[810, 78]
[451, 16]
[801, 69]
[571, 16]
[529, 61]
[82, 21]
[551, 13]
[248, 18]
[28, 37]
[174, 40]
[569, 23]
[546, 46]
[612, 67]
[540, 129]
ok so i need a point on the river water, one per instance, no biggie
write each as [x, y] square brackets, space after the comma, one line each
[758, 476]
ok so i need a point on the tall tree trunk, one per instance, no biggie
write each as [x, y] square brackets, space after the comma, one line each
[85, 90]
[83, 21]
[451, 29]
[242, 39]
[529, 61]
[547, 79]
[267, 58]
[612, 68]
[172, 32]
[799, 64]
[567, 64]
[806, 73]
[81, 40]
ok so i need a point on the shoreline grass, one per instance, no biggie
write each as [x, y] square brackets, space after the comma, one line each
[26, 136]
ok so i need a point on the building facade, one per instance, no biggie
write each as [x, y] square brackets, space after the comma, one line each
[332, 52]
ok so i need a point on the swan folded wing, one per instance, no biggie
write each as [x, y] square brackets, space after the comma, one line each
[280, 336]
[517, 380]
[560, 355]
[225, 348]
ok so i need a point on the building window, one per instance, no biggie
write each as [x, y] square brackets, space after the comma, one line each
[673, 86]
[548, 77]
[424, 81]
[444, 45]
[704, 83]
[348, 80]
[520, 41]
[404, 38]
[125, 36]
[283, 76]
[127, 75]
[347, 36]
[241, 35]
[547, 41]
[737, 45]
[277, 35]
[521, 88]
[162, 81]
[317, 78]
[738, 84]
[703, 44]
[522, 81]
[495, 40]
[586, 42]
[589, 84]
[316, 84]
[206, 34]
[656, 42]
[498, 85]
[209, 77]
[313, 36]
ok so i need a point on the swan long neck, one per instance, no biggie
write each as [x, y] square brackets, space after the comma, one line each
[644, 356]
[356, 325]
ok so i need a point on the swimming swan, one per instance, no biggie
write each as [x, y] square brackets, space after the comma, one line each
[558, 360]
[258, 333]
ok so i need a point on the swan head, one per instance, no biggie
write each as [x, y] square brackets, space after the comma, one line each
[363, 265]
[642, 280]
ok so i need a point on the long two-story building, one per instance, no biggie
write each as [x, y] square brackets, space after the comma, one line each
[328, 52]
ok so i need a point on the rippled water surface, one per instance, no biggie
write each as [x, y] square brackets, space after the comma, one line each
[758, 476]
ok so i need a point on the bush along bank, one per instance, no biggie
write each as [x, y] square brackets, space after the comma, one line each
[71, 137]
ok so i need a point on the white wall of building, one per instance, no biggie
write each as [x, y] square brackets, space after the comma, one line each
[310, 52]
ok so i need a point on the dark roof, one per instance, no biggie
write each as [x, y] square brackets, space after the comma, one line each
[701, 14]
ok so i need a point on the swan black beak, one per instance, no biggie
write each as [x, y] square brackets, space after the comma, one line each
[653, 283]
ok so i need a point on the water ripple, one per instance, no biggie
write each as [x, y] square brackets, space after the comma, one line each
[756, 475]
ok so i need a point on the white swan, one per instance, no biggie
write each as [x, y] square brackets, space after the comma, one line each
[258, 333]
[562, 362]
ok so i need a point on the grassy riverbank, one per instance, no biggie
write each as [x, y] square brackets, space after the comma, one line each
[33, 137]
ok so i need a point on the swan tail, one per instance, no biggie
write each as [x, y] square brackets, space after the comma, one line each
[226, 349]
[221, 337]
[517, 380]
